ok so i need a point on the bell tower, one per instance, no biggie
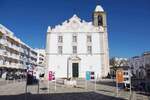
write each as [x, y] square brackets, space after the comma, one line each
[99, 17]
[99, 20]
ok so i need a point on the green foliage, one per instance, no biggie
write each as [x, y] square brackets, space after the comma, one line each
[1, 34]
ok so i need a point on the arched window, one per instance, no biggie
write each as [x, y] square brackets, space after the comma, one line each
[100, 20]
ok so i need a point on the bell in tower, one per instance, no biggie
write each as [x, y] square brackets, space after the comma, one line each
[99, 17]
[100, 20]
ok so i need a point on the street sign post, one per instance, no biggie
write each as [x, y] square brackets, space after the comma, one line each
[130, 75]
[90, 75]
[119, 78]
[87, 78]
[51, 77]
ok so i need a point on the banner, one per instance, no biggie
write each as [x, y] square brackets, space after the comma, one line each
[51, 76]
[90, 75]
[119, 76]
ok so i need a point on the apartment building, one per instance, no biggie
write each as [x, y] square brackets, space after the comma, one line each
[139, 65]
[140, 68]
[15, 54]
[40, 57]
[136, 65]
[41, 67]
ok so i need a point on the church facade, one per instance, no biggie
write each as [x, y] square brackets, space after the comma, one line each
[77, 46]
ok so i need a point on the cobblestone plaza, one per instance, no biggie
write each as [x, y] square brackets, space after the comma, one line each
[105, 90]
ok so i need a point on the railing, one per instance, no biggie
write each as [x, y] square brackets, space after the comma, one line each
[2, 41]
[21, 50]
[33, 55]
[15, 56]
[1, 62]
[1, 52]
[32, 61]
[7, 54]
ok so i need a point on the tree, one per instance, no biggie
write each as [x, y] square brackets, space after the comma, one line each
[118, 62]
[113, 63]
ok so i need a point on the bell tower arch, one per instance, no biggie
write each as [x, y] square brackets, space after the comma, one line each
[99, 17]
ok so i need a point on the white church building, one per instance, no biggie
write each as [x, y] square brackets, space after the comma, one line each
[77, 46]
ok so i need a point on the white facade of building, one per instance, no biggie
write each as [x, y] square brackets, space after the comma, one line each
[127, 76]
[40, 69]
[14, 53]
[135, 63]
[40, 57]
[77, 46]
[140, 64]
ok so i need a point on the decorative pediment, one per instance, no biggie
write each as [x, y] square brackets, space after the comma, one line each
[75, 24]
[74, 58]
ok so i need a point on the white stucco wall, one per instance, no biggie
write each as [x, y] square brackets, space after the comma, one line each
[58, 64]
[87, 62]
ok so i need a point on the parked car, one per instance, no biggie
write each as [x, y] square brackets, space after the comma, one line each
[9, 76]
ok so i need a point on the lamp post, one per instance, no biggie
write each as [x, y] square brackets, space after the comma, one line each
[130, 79]
[26, 78]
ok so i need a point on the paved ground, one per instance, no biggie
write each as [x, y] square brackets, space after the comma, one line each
[14, 90]
[140, 96]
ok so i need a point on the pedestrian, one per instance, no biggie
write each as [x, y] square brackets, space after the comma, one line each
[4, 75]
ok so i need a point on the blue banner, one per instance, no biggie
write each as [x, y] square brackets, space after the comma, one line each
[88, 75]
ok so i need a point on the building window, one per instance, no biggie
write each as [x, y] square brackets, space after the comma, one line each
[89, 49]
[60, 39]
[74, 38]
[125, 73]
[59, 49]
[89, 38]
[126, 79]
[74, 48]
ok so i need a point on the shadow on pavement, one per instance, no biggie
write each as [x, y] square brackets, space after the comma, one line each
[44, 88]
[104, 90]
[144, 93]
[109, 83]
[60, 96]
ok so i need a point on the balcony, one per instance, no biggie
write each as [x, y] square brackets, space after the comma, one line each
[14, 47]
[32, 61]
[3, 41]
[14, 65]
[33, 55]
[9, 55]
[21, 50]
[14, 56]
[2, 52]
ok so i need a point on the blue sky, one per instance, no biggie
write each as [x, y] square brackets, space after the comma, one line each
[128, 21]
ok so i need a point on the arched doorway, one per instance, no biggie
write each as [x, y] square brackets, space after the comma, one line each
[73, 69]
